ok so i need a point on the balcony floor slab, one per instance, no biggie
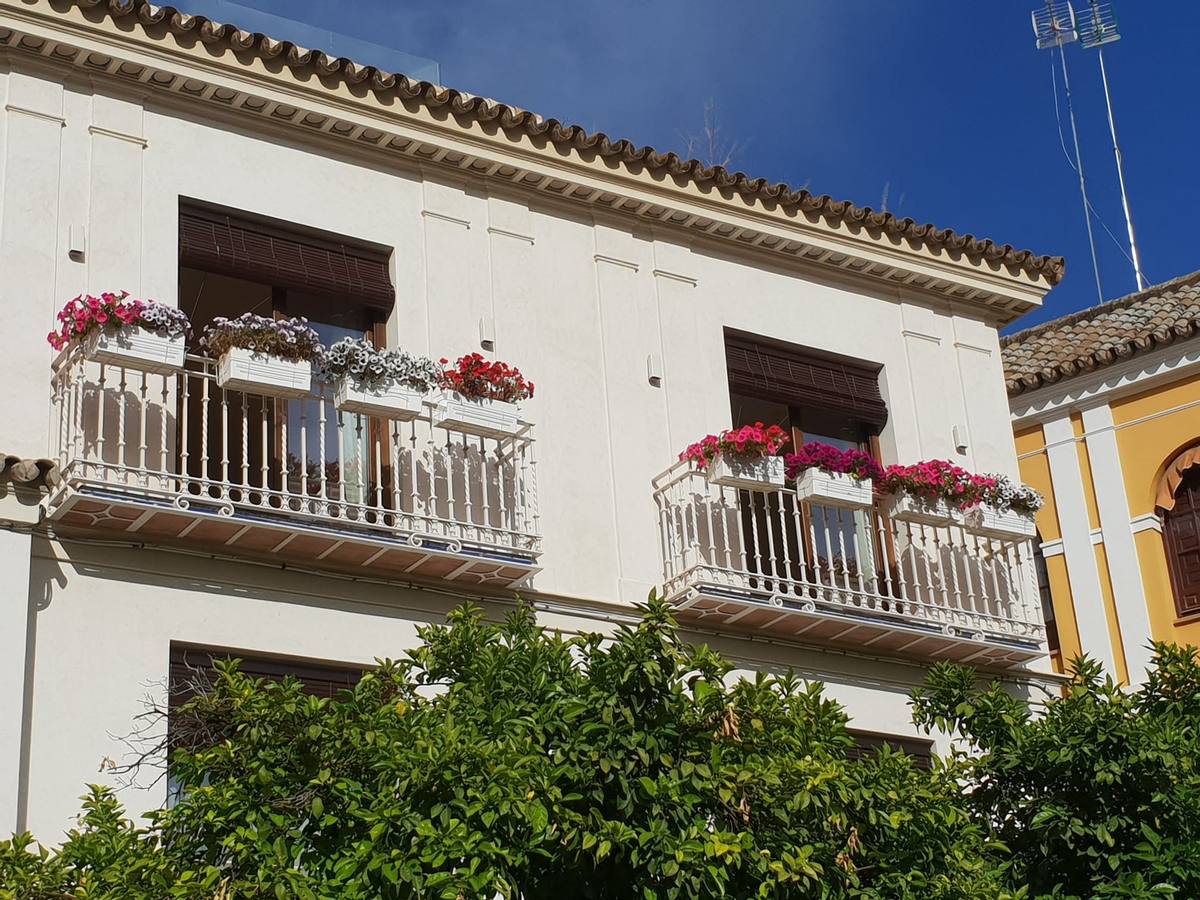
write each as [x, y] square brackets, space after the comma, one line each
[210, 524]
[826, 619]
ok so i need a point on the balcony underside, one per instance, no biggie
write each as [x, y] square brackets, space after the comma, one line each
[834, 617]
[209, 524]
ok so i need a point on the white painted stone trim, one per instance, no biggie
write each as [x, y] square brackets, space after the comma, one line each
[1086, 594]
[1124, 569]
[1147, 522]
[1131, 376]
[1052, 548]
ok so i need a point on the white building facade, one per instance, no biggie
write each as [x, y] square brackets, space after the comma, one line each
[651, 301]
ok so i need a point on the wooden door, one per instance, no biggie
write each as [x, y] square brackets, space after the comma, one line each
[1181, 534]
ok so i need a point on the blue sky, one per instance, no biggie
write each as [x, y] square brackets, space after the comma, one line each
[944, 106]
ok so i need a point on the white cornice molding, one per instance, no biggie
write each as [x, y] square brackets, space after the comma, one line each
[515, 235]
[118, 135]
[614, 261]
[158, 67]
[454, 220]
[1146, 522]
[675, 276]
[1052, 548]
[33, 113]
[1131, 376]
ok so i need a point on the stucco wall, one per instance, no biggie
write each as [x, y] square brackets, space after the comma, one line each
[1120, 458]
[578, 302]
[106, 618]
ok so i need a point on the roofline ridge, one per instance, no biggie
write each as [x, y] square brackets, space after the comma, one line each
[977, 250]
[1099, 309]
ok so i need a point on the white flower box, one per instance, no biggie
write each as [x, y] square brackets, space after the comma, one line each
[485, 418]
[753, 473]
[136, 348]
[921, 510]
[833, 489]
[239, 369]
[987, 521]
[390, 401]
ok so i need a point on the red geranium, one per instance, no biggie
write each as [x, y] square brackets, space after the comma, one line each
[749, 440]
[478, 378]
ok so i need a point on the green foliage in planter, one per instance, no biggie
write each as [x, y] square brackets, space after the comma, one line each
[505, 759]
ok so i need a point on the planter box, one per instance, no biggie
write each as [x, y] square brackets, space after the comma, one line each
[258, 373]
[485, 418]
[987, 521]
[833, 489]
[391, 401]
[751, 474]
[136, 348]
[921, 511]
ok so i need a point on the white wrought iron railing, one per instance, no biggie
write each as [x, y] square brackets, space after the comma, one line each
[765, 545]
[183, 438]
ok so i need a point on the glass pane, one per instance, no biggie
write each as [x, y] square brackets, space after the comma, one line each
[345, 465]
[748, 410]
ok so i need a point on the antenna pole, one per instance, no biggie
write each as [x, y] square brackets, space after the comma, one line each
[1112, 127]
[1087, 207]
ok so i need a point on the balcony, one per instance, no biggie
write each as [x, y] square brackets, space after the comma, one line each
[761, 561]
[177, 460]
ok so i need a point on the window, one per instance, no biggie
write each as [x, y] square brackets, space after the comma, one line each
[232, 263]
[193, 666]
[1043, 583]
[867, 742]
[814, 396]
[1181, 536]
[191, 670]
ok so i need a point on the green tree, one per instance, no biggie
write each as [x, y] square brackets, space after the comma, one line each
[1096, 793]
[505, 759]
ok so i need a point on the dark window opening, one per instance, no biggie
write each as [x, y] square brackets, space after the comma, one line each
[866, 743]
[814, 396]
[232, 263]
[1047, 600]
[1181, 536]
[192, 669]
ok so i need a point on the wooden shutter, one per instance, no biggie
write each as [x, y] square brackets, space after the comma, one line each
[191, 666]
[770, 370]
[866, 743]
[273, 254]
[1181, 534]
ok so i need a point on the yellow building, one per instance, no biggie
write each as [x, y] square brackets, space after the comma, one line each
[1106, 416]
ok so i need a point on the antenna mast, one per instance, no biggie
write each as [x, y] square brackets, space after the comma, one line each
[1098, 29]
[1054, 27]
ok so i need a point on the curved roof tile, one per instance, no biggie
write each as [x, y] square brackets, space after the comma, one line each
[1102, 335]
[513, 118]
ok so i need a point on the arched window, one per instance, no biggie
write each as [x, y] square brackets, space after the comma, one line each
[1181, 535]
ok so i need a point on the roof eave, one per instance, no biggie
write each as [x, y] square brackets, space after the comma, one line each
[331, 108]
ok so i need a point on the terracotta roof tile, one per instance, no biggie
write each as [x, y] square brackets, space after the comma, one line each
[1102, 335]
[156, 18]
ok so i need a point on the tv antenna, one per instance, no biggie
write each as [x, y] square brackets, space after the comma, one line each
[1054, 27]
[1097, 28]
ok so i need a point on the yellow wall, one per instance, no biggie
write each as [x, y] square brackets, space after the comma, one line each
[1035, 472]
[1152, 427]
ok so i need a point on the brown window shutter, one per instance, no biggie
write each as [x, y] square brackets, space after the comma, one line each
[768, 369]
[866, 743]
[273, 254]
[193, 666]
